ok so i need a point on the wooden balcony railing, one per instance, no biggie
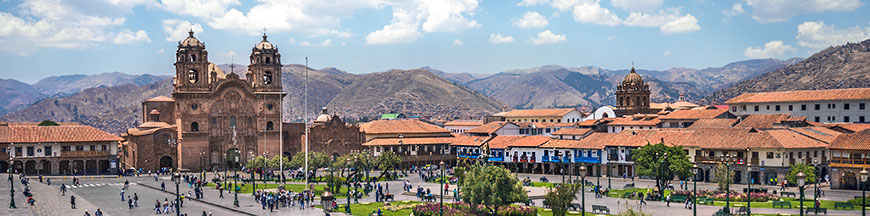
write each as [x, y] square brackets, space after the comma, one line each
[850, 161]
[85, 153]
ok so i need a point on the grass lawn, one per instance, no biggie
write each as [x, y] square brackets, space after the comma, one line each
[318, 188]
[362, 209]
[795, 203]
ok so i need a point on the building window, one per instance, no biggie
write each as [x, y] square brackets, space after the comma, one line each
[756, 108]
[800, 154]
[733, 109]
[194, 127]
[860, 118]
[93, 148]
[213, 121]
[767, 107]
[833, 106]
[30, 151]
[80, 148]
[818, 106]
[846, 119]
[232, 121]
[815, 153]
[105, 148]
[777, 107]
[64, 148]
[790, 107]
[778, 155]
[803, 107]
[48, 150]
[846, 106]
[270, 125]
[817, 119]
[861, 106]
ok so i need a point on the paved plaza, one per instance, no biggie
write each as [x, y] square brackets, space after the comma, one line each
[103, 192]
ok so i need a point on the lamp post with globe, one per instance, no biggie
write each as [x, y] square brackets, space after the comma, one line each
[583, 190]
[801, 179]
[863, 175]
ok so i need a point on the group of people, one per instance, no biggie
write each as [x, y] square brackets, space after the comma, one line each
[283, 198]
[379, 192]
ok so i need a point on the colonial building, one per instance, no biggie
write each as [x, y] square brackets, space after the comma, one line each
[331, 135]
[850, 153]
[460, 126]
[213, 118]
[632, 96]
[685, 118]
[57, 150]
[418, 143]
[826, 106]
[565, 115]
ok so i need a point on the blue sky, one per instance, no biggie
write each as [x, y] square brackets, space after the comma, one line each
[40, 38]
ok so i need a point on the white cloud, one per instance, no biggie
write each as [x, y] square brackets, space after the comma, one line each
[458, 42]
[325, 43]
[767, 11]
[547, 37]
[229, 54]
[532, 2]
[669, 22]
[64, 25]
[531, 20]
[402, 29]
[161, 51]
[772, 49]
[667, 53]
[592, 12]
[128, 37]
[736, 9]
[818, 35]
[498, 38]
[177, 30]
[637, 5]
[198, 8]
[291, 41]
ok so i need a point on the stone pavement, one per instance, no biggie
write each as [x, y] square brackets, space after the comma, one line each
[23, 207]
[50, 202]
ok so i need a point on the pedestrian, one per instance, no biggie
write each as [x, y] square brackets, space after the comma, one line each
[98, 213]
[72, 201]
[48, 180]
[669, 200]
[122, 194]
[86, 213]
[135, 200]
[63, 189]
[163, 186]
[157, 205]
[221, 189]
[688, 202]
[129, 203]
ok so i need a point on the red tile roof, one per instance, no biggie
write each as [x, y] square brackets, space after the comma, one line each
[558, 143]
[535, 112]
[160, 98]
[572, 131]
[49, 134]
[476, 141]
[530, 141]
[503, 141]
[632, 122]
[693, 114]
[406, 126]
[854, 141]
[489, 128]
[820, 133]
[595, 140]
[805, 95]
[762, 120]
[464, 123]
[853, 127]
[713, 123]
[410, 141]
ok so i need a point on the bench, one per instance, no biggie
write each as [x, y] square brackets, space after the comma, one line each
[600, 209]
[679, 198]
[741, 211]
[575, 206]
[781, 204]
[817, 210]
[429, 198]
[626, 195]
[844, 205]
[705, 200]
[789, 194]
[389, 197]
[529, 202]
[631, 185]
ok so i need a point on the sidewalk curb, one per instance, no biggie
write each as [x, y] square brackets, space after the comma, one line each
[208, 203]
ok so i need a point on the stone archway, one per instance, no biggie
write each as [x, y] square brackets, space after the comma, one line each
[46, 167]
[17, 166]
[849, 181]
[64, 167]
[30, 167]
[78, 166]
[166, 162]
[91, 167]
[4, 166]
[104, 166]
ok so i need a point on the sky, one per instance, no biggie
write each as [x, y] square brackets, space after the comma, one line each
[41, 38]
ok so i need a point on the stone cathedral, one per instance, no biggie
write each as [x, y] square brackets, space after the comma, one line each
[213, 118]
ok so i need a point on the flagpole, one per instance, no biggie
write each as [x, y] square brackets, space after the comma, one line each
[305, 117]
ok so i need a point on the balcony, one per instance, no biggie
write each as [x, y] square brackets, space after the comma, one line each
[850, 161]
[715, 160]
[566, 159]
[555, 159]
[586, 160]
[85, 153]
[496, 159]
[545, 159]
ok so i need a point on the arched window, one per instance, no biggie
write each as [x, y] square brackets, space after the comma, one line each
[192, 76]
[214, 122]
[232, 121]
[267, 76]
[639, 102]
[192, 58]
[194, 126]
[268, 60]
[250, 121]
[270, 125]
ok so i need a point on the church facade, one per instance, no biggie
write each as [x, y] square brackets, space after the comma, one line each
[632, 96]
[213, 120]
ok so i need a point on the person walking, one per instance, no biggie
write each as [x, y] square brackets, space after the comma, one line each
[129, 203]
[135, 200]
[62, 189]
[122, 195]
[163, 186]
[157, 205]
[98, 213]
[72, 201]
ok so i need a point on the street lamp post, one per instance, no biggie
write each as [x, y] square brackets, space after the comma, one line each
[347, 181]
[441, 180]
[326, 200]
[801, 179]
[748, 188]
[583, 190]
[864, 174]
[11, 182]
[236, 180]
[695, 189]
[608, 177]
[177, 177]
[727, 159]
[816, 180]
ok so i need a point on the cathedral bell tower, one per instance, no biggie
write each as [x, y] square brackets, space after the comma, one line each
[632, 96]
[265, 67]
[191, 65]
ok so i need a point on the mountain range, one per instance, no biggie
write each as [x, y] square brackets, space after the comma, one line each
[113, 104]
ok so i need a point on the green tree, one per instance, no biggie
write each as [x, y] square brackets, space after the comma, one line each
[275, 162]
[559, 198]
[48, 123]
[316, 160]
[492, 187]
[387, 161]
[662, 162]
[796, 168]
[258, 162]
[723, 176]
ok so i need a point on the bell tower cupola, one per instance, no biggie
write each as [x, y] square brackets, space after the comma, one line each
[265, 66]
[191, 65]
